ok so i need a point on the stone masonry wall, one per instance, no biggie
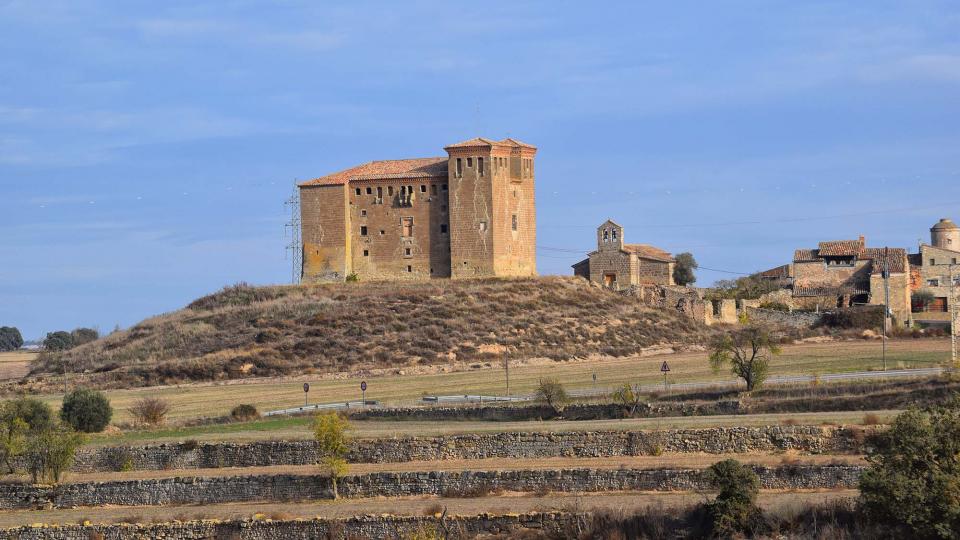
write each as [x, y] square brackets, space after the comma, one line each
[793, 319]
[807, 439]
[357, 527]
[288, 487]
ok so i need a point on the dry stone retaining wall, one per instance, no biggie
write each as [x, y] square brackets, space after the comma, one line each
[357, 527]
[287, 487]
[807, 439]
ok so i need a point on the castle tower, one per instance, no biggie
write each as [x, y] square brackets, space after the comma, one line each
[945, 234]
[492, 211]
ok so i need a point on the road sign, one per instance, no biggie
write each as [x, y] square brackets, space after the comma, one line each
[363, 386]
[664, 367]
[306, 387]
[363, 393]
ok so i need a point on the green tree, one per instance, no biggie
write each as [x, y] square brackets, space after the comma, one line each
[913, 480]
[50, 452]
[747, 287]
[734, 512]
[552, 393]
[683, 269]
[86, 410]
[10, 339]
[922, 298]
[747, 351]
[629, 397]
[37, 414]
[79, 336]
[331, 431]
[13, 435]
[58, 341]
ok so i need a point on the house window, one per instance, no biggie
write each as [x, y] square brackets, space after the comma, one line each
[406, 226]
[606, 235]
[363, 230]
[423, 188]
[459, 167]
[514, 222]
[480, 165]
[363, 213]
[469, 162]
[390, 191]
[443, 187]
[953, 260]
[382, 232]
[933, 282]
[407, 252]
[933, 262]
[379, 194]
[482, 226]
[369, 191]
[366, 253]
[433, 189]
[443, 228]
[409, 268]
[358, 191]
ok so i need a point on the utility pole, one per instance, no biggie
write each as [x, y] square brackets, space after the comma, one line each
[954, 320]
[506, 370]
[295, 246]
[886, 302]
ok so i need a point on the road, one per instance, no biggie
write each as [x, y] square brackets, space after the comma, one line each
[605, 391]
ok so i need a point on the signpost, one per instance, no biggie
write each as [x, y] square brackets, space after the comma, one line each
[664, 368]
[363, 393]
[306, 389]
[594, 383]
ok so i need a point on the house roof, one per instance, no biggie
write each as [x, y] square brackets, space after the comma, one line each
[896, 259]
[483, 141]
[378, 170]
[780, 272]
[945, 224]
[840, 248]
[647, 251]
[805, 255]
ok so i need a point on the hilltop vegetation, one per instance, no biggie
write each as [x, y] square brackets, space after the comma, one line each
[243, 331]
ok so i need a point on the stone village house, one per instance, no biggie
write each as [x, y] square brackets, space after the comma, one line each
[618, 265]
[931, 271]
[469, 214]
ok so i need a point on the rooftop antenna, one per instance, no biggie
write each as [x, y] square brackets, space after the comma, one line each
[292, 229]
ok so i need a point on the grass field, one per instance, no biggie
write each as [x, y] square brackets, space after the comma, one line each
[291, 428]
[500, 504]
[209, 399]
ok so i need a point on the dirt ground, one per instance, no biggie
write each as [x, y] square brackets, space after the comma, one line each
[684, 461]
[15, 365]
[505, 503]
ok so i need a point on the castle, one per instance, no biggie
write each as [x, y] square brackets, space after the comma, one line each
[470, 214]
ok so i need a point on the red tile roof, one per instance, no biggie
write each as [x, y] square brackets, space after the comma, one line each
[896, 259]
[647, 251]
[840, 248]
[379, 170]
[483, 141]
[804, 255]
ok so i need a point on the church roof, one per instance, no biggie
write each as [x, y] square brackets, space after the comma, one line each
[647, 251]
[435, 167]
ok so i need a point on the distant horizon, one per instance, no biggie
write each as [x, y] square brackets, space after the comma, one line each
[146, 151]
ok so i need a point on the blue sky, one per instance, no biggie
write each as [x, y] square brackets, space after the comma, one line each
[146, 148]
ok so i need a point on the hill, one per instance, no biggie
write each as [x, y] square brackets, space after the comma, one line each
[243, 331]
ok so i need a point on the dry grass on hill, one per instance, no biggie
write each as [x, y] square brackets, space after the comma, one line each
[245, 331]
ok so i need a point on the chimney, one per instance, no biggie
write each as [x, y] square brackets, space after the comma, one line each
[861, 239]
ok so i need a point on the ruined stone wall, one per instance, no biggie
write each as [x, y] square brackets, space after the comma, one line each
[807, 439]
[326, 249]
[899, 296]
[385, 252]
[288, 487]
[721, 311]
[792, 319]
[372, 527]
[686, 301]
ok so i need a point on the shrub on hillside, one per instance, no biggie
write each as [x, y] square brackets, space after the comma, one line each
[10, 339]
[775, 306]
[79, 336]
[86, 410]
[244, 412]
[240, 294]
[150, 411]
[858, 317]
[734, 512]
[913, 481]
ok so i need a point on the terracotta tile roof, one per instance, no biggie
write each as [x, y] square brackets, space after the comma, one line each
[805, 255]
[377, 170]
[514, 142]
[840, 248]
[896, 259]
[647, 251]
[483, 141]
[780, 272]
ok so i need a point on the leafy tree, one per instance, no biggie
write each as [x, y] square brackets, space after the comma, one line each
[150, 411]
[747, 287]
[58, 341]
[552, 393]
[50, 452]
[683, 269]
[734, 512]
[629, 397]
[747, 351]
[914, 476]
[86, 410]
[36, 414]
[10, 339]
[13, 435]
[922, 298]
[331, 433]
[84, 335]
